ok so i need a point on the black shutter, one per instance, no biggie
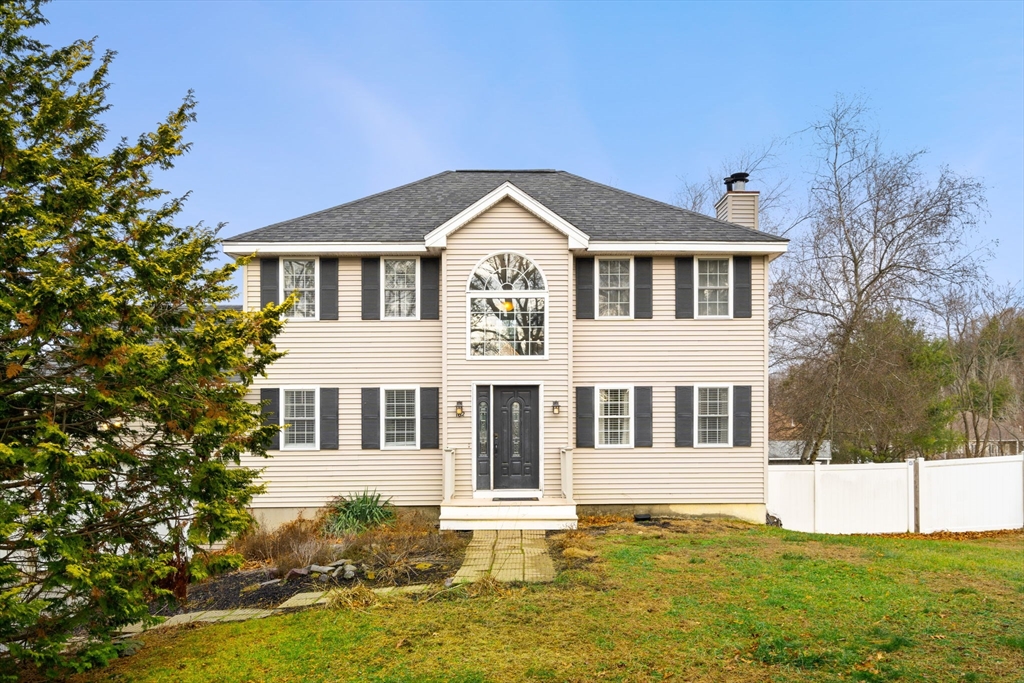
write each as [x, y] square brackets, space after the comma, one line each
[328, 418]
[371, 289]
[271, 399]
[684, 287]
[429, 436]
[585, 415]
[684, 416]
[430, 289]
[644, 419]
[371, 418]
[328, 289]
[268, 281]
[585, 288]
[741, 289]
[741, 415]
[643, 281]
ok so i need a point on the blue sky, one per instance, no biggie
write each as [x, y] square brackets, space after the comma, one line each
[304, 106]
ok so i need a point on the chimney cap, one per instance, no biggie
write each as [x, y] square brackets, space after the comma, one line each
[738, 179]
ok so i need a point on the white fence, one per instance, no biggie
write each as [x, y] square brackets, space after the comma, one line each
[974, 494]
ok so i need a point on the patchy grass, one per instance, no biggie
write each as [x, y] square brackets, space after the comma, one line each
[689, 601]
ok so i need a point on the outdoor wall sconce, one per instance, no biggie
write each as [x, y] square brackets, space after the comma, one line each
[458, 409]
[555, 408]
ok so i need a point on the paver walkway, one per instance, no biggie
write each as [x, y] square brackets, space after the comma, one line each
[507, 556]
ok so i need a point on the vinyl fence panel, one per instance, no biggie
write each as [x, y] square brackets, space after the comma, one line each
[791, 496]
[972, 494]
[854, 499]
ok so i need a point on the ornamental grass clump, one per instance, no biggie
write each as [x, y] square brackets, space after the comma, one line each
[357, 512]
[296, 544]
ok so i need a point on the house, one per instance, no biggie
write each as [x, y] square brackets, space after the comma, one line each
[784, 443]
[995, 437]
[507, 349]
[788, 452]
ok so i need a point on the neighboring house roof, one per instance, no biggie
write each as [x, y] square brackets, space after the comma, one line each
[410, 212]
[998, 431]
[791, 450]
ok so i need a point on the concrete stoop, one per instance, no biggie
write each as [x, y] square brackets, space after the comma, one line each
[498, 515]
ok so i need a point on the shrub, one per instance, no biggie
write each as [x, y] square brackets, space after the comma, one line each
[298, 543]
[357, 512]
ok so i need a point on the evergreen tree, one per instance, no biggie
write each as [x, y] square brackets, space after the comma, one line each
[122, 376]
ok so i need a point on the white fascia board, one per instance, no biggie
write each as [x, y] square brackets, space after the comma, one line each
[438, 237]
[322, 248]
[689, 247]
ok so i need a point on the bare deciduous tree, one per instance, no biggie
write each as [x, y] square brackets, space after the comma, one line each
[985, 335]
[881, 236]
[760, 162]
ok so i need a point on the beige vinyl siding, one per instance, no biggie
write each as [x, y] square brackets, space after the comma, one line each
[664, 352]
[506, 227]
[350, 353]
[740, 208]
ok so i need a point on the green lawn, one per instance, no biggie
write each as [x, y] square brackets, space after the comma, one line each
[698, 602]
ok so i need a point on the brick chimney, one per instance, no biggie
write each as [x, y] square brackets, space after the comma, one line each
[738, 205]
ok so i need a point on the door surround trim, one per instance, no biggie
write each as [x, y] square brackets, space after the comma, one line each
[503, 493]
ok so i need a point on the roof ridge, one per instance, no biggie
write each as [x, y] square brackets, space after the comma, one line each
[338, 206]
[508, 170]
[760, 233]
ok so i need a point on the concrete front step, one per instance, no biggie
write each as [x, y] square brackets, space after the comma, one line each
[475, 514]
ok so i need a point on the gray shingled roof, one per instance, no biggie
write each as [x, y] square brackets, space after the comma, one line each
[409, 212]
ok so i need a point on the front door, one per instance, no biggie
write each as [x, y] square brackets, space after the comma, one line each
[516, 437]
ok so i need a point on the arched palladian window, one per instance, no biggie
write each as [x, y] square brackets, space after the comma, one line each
[507, 307]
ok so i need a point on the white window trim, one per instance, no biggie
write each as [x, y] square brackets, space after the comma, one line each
[419, 288]
[384, 446]
[316, 286]
[316, 419]
[597, 415]
[696, 415]
[696, 290]
[597, 288]
[518, 294]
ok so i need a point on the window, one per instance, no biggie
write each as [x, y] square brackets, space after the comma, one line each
[507, 302]
[400, 288]
[299, 418]
[400, 418]
[300, 277]
[713, 416]
[713, 287]
[614, 281]
[614, 417]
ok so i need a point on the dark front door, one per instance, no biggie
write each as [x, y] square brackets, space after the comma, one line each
[516, 437]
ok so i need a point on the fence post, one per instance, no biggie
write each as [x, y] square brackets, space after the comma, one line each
[814, 494]
[913, 496]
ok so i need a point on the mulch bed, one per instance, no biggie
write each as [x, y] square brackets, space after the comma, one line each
[242, 588]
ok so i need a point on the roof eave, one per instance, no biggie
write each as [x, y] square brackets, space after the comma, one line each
[322, 248]
[689, 247]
